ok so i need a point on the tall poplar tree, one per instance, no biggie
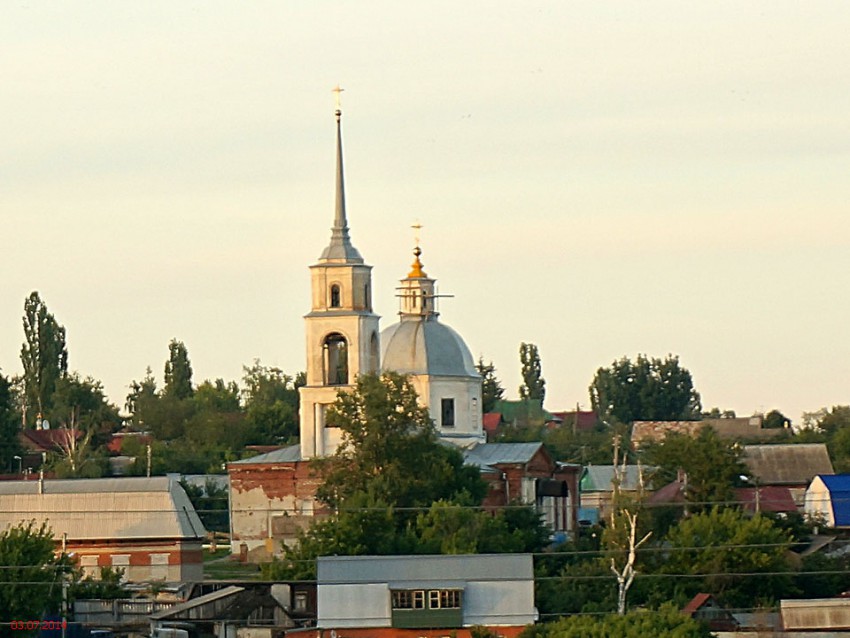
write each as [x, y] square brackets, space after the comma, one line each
[44, 355]
[533, 384]
[178, 372]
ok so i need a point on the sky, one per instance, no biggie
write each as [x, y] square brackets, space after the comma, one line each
[601, 179]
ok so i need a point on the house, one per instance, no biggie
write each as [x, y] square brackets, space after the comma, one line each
[273, 495]
[401, 596]
[828, 497]
[787, 465]
[145, 526]
[815, 614]
[578, 420]
[35, 444]
[597, 487]
[491, 422]
[526, 473]
[706, 609]
[262, 609]
[740, 429]
[774, 499]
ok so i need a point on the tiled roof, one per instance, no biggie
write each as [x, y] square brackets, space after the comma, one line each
[48, 440]
[743, 428]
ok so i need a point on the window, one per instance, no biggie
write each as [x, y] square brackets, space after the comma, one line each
[300, 602]
[437, 599]
[447, 412]
[334, 296]
[408, 599]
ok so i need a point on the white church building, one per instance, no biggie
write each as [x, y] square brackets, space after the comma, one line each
[273, 494]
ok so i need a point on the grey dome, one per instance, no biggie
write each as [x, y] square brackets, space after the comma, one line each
[425, 346]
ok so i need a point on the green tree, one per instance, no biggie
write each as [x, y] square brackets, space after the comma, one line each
[141, 392]
[735, 554]
[271, 403]
[9, 445]
[667, 621]
[775, 419]
[217, 396]
[389, 446]
[178, 372]
[491, 389]
[648, 389]
[81, 404]
[713, 466]
[32, 574]
[533, 384]
[44, 355]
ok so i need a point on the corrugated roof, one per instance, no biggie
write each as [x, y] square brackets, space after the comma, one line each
[98, 509]
[289, 454]
[424, 569]
[485, 454]
[787, 464]
[599, 478]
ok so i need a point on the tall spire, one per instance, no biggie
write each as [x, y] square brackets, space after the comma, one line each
[340, 248]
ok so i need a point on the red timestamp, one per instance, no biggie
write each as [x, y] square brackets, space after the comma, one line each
[32, 625]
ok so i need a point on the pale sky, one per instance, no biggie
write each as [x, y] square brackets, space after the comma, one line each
[601, 179]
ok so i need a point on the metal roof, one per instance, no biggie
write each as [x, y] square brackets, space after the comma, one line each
[423, 570]
[102, 509]
[600, 478]
[787, 464]
[493, 453]
[423, 345]
[289, 454]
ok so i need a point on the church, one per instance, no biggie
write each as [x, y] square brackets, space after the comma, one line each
[272, 495]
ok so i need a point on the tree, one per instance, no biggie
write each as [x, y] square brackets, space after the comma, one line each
[32, 573]
[491, 389]
[737, 555]
[82, 404]
[9, 446]
[271, 403]
[533, 384]
[775, 419]
[646, 390]
[44, 355]
[178, 372]
[713, 466]
[389, 447]
[142, 394]
[667, 621]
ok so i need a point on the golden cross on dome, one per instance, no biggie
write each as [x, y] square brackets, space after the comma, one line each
[336, 91]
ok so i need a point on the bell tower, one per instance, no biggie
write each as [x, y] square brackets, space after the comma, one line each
[342, 330]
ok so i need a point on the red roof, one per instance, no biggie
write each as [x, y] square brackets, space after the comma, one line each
[772, 498]
[48, 440]
[670, 494]
[116, 443]
[696, 602]
[492, 421]
[583, 419]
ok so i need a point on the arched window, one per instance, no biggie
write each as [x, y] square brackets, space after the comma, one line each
[334, 296]
[335, 352]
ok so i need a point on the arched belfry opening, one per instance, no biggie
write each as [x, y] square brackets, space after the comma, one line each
[374, 352]
[335, 354]
[335, 296]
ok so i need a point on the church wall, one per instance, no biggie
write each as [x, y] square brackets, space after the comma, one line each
[466, 392]
[269, 504]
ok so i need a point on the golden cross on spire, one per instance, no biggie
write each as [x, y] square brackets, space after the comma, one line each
[416, 227]
[336, 91]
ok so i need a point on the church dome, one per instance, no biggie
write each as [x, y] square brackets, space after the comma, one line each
[425, 346]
